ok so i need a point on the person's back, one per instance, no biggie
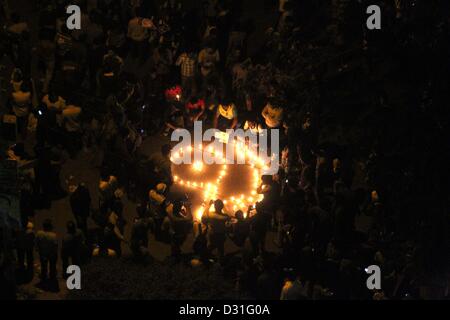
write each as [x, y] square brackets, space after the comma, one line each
[163, 165]
[71, 115]
[54, 102]
[139, 232]
[25, 239]
[107, 186]
[139, 237]
[46, 243]
[80, 201]
[73, 241]
[217, 222]
[21, 101]
[136, 31]
[241, 232]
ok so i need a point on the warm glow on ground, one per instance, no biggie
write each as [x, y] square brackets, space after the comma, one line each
[234, 184]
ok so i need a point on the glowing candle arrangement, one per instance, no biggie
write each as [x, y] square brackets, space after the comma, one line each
[211, 190]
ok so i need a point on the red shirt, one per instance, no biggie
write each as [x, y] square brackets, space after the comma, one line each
[199, 105]
[174, 94]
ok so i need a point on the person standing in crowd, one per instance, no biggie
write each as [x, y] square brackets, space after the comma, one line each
[208, 58]
[72, 247]
[157, 204]
[139, 235]
[72, 128]
[273, 115]
[138, 36]
[187, 62]
[107, 186]
[240, 229]
[163, 165]
[16, 79]
[25, 248]
[216, 220]
[80, 203]
[21, 107]
[47, 247]
[180, 217]
[114, 230]
[270, 189]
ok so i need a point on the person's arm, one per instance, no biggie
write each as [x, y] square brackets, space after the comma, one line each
[235, 118]
[235, 122]
[202, 111]
[172, 217]
[171, 126]
[217, 56]
[119, 234]
[179, 60]
[216, 120]
[265, 112]
[221, 217]
[129, 32]
[263, 189]
[201, 57]
[189, 216]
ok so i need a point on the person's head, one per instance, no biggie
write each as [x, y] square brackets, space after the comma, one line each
[210, 47]
[213, 32]
[274, 103]
[337, 165]
[17, 75]
[47, 225]
[165, 150]
[374, 197]
[227, 103]
[239, 215]
[218, 206]
[267, 179]
[140, 210]
[194, 100]
[52, 95]
[15, 17]
[104, 175]
[25, 87]
[161, 188]
[71, 228]
[19, 149]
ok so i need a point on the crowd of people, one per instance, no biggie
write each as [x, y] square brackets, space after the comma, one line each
[146, 68]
